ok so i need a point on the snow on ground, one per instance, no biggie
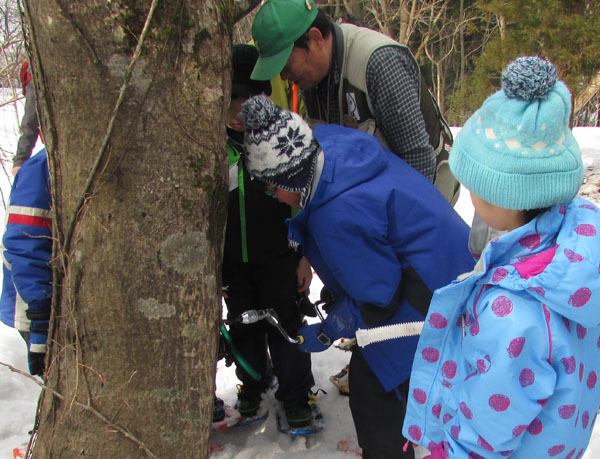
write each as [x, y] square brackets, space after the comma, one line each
[18, 395]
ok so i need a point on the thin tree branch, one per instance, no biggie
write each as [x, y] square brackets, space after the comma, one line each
[103, 147]
[87, 407]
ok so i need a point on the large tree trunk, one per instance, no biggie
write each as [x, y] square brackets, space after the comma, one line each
[136, 153]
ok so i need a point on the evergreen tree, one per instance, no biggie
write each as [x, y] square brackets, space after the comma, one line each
[566, 32]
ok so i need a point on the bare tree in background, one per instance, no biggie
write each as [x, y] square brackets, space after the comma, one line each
[11, 56]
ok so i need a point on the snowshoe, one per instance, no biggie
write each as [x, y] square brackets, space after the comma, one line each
[258, 417]
[231, 417]
[341, 381]
[316, 425]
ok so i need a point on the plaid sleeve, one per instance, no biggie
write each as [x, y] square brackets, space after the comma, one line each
[393, 86]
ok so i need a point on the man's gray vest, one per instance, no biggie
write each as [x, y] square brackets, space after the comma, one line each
[356, 108]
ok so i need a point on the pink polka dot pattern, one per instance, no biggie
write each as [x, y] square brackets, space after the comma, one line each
[526, 377]
[483, 365]
[569, 364]
[539, 290]
[446, 383]
[580, 297]
[592, 379]
[588, 206]
[516, 347]
[484, 444]
[524, 258]
[570, 455]
[499, 402]
[415, 432]
[463, 319]
[580, 371]
[566, 411]
[536, 427]
[562, 209]
[455, 432]
[436, 410]
[585, 230]
[572, 256]
[585, 419]
[474, 328]
[475, 456]
[499, 274]
[502, 306]
[506, 453]
[567, 324]
[581, 331]
[447, 417]
[518, 430]
[449, 369]
[531, 241]
[431, 354]
[465, 410]
[420, 396]
[437, 320]
[556, 450]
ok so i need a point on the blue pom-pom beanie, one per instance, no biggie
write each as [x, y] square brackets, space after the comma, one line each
[517, 150]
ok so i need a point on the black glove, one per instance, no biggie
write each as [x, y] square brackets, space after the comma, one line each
[327, 299]
[306, 306]
[36, 363]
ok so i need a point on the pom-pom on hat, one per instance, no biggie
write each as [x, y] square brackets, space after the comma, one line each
[517, 150]
[280, 147]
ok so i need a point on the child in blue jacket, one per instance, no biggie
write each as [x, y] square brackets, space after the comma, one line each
[26, 252]
[514, 370]
[380, 237]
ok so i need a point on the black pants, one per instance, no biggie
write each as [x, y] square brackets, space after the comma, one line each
[378, 415]
[271, 285]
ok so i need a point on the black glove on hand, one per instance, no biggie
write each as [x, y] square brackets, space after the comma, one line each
[36, 363]
[327, 299]
[306, 306]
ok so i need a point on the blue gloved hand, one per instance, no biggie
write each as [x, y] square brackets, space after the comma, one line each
[340, 323]
[315, 337]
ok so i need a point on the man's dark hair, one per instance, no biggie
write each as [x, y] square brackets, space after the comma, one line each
[321, 22]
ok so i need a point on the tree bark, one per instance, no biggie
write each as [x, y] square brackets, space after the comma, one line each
[131, 96]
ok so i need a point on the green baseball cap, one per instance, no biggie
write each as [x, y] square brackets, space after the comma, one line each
[277, 25]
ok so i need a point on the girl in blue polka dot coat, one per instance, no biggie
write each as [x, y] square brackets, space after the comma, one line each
[509, 357]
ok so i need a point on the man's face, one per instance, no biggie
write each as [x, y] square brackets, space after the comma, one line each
[307, 67]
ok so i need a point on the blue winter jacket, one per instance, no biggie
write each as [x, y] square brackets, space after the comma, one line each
[381, 238]
[27, 248]
[508, 360]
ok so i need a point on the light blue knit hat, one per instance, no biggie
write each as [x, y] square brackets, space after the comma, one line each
[517, 150]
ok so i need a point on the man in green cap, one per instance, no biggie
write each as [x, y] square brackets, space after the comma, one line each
[355, 77]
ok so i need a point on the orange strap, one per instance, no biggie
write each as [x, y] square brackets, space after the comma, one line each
[294, 97]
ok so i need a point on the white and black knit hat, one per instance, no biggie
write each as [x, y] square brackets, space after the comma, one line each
[280, 147]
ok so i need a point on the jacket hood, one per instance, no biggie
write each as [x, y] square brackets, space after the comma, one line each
[363, 158]
[555, 258]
